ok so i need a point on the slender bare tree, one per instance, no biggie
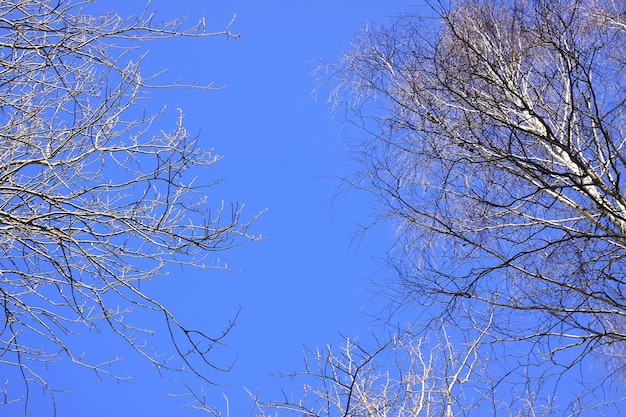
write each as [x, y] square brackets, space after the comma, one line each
[409, 376]
[494, 134]
[94, 199]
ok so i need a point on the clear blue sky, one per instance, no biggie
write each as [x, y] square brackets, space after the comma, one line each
[307, 280]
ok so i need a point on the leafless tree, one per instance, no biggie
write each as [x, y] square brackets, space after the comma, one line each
[409, 376]
[494, 134]
[94, 200]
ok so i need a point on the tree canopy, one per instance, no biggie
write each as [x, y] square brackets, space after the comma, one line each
[95, 197]
[493, 134]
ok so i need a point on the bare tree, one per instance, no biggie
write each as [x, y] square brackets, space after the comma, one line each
[94, 200]
[409, 376]
[494, 134]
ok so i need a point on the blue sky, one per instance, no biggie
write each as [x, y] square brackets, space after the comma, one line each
[306, 284]
[306, 281]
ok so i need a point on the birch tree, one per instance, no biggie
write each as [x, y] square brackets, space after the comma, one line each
[493, 134]
[95, 197]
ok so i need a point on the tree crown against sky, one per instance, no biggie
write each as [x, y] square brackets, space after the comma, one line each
[429, 172]
[493, 135]
[95, 198]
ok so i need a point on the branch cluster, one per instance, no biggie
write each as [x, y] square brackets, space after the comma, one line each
[495, 134]
[93, 199]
